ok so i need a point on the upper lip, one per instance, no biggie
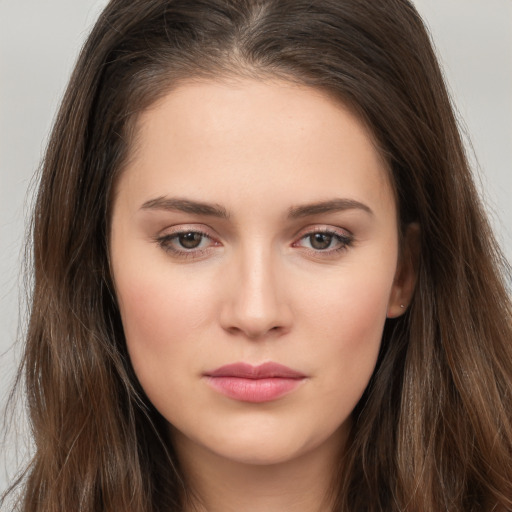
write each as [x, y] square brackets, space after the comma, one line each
[262, 371]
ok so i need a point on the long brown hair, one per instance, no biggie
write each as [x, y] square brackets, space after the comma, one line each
[433, 430]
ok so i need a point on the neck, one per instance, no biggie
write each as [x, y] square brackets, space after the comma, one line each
[217, 484]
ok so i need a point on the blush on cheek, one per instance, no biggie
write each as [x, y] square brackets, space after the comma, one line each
[354, 322]
[162, 319]
[148, 322]
[155, 299]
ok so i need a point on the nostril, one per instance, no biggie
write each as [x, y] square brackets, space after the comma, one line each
[254, 332]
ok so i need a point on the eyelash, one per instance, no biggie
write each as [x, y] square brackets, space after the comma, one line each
[165, 242]
[344, 241]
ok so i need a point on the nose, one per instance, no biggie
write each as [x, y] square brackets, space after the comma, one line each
[255, 304]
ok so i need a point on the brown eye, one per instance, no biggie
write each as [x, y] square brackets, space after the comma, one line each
[320, 241]
[186, 244]
[190, 240]
[325, 242]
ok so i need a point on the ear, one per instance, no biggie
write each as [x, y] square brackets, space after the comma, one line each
[406, 272]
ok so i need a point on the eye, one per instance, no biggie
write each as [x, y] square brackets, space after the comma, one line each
[190, 240]
[320, 241]
[186, 243]
[323, 240]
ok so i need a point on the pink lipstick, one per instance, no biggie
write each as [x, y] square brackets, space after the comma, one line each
[247, 383]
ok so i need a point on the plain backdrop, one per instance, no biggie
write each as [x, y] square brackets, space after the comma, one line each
[39, 41]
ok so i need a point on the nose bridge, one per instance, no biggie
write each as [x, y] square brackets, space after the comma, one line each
[257, 300]
[258, 280]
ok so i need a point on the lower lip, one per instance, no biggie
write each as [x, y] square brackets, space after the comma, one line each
[254, 390]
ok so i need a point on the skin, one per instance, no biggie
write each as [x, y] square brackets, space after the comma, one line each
[257, 288]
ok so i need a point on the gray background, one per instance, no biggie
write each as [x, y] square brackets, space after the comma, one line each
[39, 41]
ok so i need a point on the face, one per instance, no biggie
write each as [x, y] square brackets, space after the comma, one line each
[254, 250]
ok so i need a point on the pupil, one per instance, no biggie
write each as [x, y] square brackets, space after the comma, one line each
[320, 241]
[190, 240]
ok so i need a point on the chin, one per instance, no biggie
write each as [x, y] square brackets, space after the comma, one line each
[265, 445]
[259, 453]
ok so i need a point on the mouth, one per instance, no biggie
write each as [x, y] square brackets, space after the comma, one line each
[256, 384]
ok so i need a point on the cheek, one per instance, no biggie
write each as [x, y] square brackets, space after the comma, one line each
[351, 303]
[347, 322]
[160, 315]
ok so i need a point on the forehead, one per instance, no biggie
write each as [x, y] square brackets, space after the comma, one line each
[247, 137]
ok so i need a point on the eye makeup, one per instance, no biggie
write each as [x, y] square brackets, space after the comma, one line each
[192, 242]
[187, 243]
[324, 241]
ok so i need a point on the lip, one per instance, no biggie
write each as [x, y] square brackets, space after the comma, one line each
[256, 384]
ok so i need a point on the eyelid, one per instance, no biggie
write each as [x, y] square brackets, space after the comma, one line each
[345, 239]
[164, 238]
[186, 228]
[323, 228]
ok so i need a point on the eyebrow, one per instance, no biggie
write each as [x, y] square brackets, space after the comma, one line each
[186, 205]
[215, 210]
[333, 205]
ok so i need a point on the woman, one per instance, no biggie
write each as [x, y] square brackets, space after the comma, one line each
[263, 278]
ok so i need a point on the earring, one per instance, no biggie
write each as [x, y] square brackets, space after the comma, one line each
[402, 306]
